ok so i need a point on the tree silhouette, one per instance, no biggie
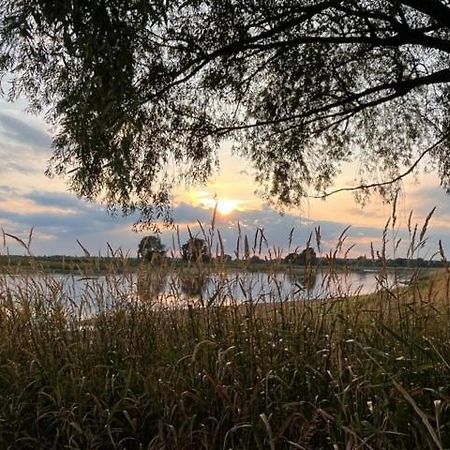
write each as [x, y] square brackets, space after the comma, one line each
[151, 247]
[195, 249]
[298, 87]
[306, 257]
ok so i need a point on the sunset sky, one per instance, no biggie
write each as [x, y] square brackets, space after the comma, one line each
[29, 199]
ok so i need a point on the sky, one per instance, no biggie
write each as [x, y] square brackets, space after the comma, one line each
[30, 200]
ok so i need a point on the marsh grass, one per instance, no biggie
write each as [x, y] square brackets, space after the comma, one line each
[114, 370]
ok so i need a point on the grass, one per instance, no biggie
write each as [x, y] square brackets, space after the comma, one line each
[110, 370]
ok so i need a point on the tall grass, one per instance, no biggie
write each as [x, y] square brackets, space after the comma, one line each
[117, 366]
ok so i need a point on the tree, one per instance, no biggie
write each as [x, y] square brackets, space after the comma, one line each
[225, 258]
[195, 249]
[255, 259]
[299, 87]
[307, 257]
[151, 247]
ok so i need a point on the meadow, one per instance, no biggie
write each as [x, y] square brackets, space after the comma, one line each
[114, 370]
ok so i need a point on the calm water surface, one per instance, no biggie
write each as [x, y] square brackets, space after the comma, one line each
[178, 289]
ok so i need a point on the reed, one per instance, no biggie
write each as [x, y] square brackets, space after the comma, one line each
[119, 365]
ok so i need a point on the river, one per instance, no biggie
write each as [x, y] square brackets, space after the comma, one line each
[183, 288]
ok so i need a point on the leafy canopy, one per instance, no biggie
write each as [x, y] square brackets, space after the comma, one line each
[195, 249]
[142, 93]
[151, 246]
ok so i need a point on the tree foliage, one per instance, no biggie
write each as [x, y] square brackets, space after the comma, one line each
[306, 257]
[138, 90]
[151, 246]
[195, 249]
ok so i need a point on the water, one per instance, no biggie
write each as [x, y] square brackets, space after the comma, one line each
[184, 288]
[262, 287]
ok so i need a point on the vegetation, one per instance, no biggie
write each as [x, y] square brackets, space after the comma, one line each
[101, 265]
[195, 249]
[151, 248]
[67, 264]
[306, 257]
[117, 365]
[141, 89]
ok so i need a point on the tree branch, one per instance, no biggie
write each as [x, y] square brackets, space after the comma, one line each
[399, 89]
[434, 9]
[410, 37]
[201, 61]
[384, 183]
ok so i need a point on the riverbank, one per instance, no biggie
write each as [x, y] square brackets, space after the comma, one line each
[104, 265]
[361, 372]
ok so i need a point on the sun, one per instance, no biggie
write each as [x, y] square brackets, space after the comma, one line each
[226, 207]
[223, 206]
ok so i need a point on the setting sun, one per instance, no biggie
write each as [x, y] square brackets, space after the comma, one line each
[227, 206]
[224, 206]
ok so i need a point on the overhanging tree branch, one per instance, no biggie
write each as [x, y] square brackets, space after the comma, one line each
[132, 86]
[398, 89]
[434, 9]
[363, 186]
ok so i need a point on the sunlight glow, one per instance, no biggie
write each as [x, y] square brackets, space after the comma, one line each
[225, 207]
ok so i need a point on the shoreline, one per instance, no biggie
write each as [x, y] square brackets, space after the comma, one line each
[67, 265]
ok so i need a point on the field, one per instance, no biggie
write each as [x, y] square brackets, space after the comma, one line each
[111, 370]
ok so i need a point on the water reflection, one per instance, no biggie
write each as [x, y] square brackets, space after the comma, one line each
[151, 284]
[165, 287]
[193, 285]
[238, 287]
[306, 281]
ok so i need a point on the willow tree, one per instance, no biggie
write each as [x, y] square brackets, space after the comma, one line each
[143, 93]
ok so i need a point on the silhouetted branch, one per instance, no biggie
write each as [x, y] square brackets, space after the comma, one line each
[384, 183]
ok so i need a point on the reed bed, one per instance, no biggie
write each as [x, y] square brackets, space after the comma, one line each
[117, 365]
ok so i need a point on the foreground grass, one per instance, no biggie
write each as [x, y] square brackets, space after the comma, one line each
[347, 373]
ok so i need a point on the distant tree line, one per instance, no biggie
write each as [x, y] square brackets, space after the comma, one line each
[63, 263]
[195, 249]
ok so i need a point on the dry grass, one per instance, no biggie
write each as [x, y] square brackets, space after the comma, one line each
[104, 369]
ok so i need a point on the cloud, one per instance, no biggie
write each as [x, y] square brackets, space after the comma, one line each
[83, 221]
[94, 227]
[20, 132]
[277, 228]
[63, 218]
[186, 214]
[6, 190]
[56, 199]
[428, 197]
